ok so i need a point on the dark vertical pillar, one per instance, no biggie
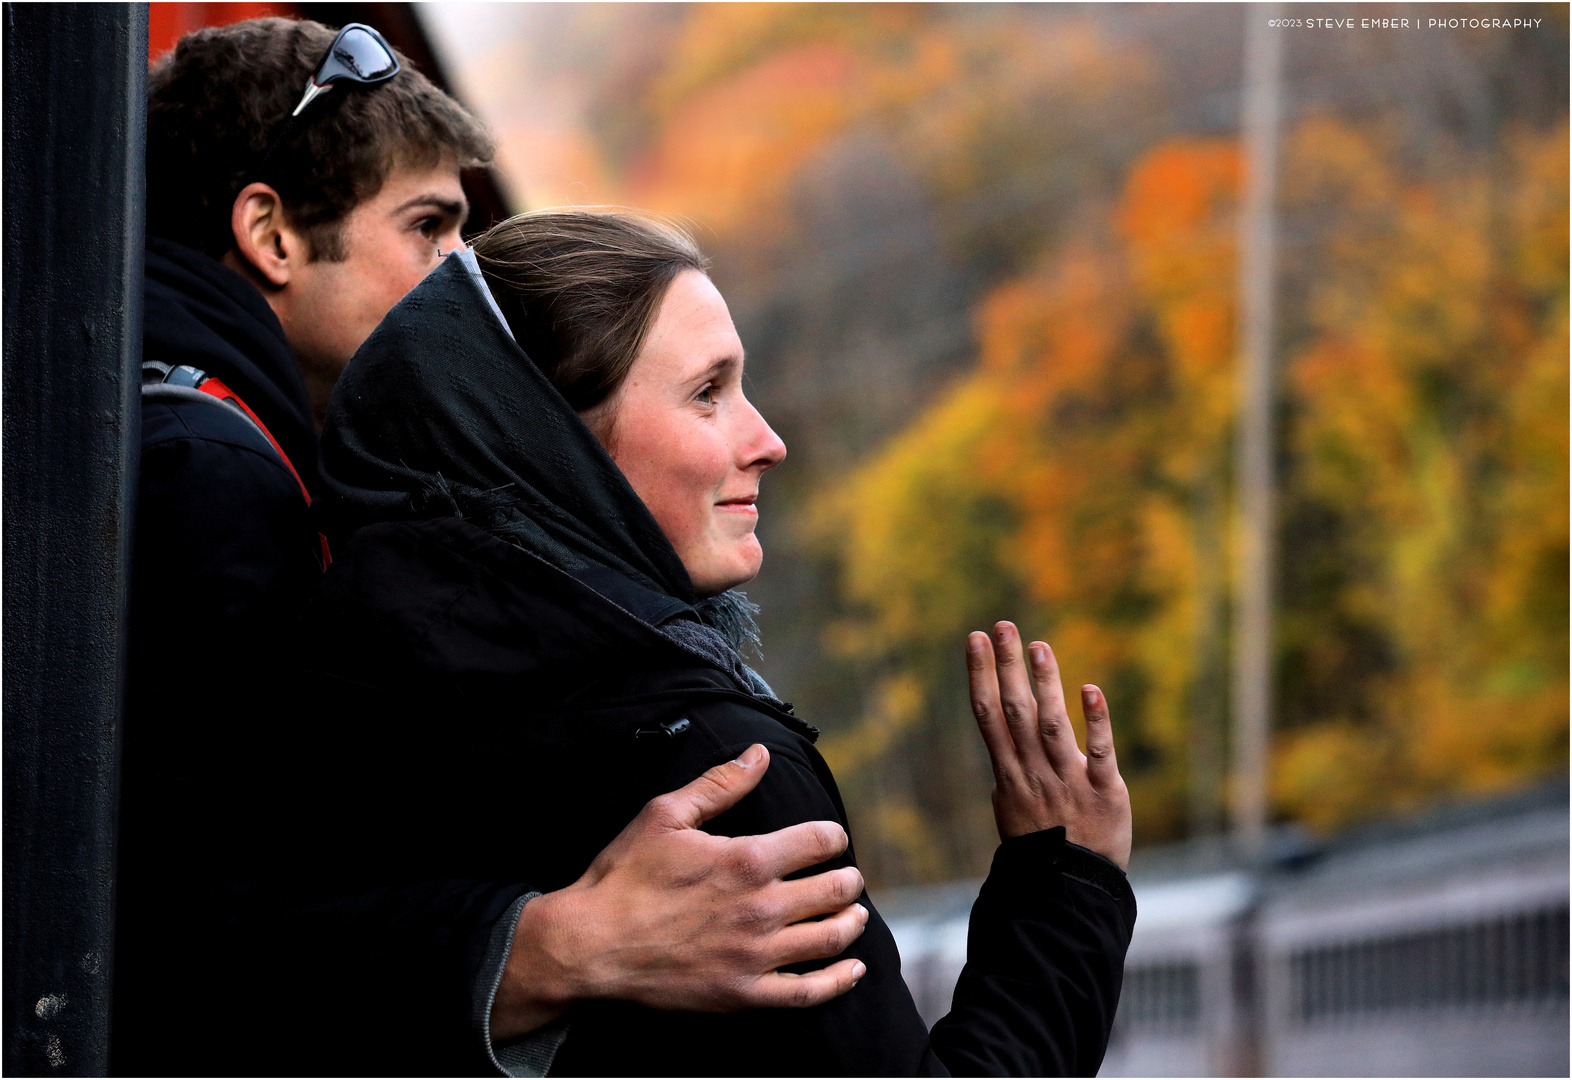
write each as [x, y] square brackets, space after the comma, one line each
[75, 78]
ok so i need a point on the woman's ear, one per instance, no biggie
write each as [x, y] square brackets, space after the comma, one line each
[263, 239]
[601, 419]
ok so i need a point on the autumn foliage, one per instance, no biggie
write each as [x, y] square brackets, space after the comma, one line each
[1078, 481]
[1064, 457]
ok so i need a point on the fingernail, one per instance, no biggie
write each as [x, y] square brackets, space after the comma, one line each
[974, 643]
[859, 969]
[863, 910]
[1039, 653]
[1088, 695]
[1002, 631]
[750, 757]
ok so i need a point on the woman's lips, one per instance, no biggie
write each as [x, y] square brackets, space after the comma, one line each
[742, 505]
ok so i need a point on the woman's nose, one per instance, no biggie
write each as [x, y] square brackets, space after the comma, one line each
[762, 448]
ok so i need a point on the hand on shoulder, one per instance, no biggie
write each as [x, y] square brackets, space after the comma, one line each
[672, 917]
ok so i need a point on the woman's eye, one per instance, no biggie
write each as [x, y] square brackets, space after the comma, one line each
[429, 227]
[707, 395]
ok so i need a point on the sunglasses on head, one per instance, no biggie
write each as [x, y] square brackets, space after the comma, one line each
[358, 55]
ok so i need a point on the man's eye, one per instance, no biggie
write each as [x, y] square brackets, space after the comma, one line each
[707, 395]
[430, 227]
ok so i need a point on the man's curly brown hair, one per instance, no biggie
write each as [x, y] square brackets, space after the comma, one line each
[218, 98]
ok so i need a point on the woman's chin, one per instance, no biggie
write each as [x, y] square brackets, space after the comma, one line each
[722, 571]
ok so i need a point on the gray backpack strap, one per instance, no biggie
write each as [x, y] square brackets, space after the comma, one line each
[163, 382]
[154, 389]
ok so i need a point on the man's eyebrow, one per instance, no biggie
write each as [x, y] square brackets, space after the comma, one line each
[454, 207]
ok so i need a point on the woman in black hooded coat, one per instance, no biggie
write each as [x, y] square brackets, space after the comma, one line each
[506, 616]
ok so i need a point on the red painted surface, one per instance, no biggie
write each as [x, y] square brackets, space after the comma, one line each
[168, 22]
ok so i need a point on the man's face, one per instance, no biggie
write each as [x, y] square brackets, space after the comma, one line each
[390, 242]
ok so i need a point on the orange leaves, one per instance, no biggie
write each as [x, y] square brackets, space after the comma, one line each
[1423, 624]
[1034, 489]
[1052, 342]
[754, 91]
[727, 152]
[722, 41]
[1078, 478]
[1178, 217]
[1053, 331]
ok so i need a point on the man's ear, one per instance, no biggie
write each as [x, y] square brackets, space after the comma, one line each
[263, 238]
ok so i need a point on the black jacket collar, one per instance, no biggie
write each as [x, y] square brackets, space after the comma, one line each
[407, 603]
[646, 604]
[198, 311]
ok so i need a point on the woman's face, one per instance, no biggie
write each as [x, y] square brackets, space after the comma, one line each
[689, 441]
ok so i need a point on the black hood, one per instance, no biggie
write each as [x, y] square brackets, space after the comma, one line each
[198, 311]
[441, 412]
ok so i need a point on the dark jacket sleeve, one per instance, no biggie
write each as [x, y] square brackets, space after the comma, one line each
[1046, 951]
[367, 948]
[222, 564]
[375, 983]
[1045, 954]
[1045, 960]
[219, 846]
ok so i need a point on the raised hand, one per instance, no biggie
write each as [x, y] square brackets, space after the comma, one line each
[1041, 777]
[672, 917]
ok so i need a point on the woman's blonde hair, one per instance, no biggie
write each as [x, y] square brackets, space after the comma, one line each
[580, 287]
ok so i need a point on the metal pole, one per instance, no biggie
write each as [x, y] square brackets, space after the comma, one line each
[75, 99]
[1254, 472]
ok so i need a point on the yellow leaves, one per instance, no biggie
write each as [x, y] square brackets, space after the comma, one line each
[1432, 424]
[897, 707]
[900, 826]
[1319, 775]
[912, 528]
[1078, 479]
[1438, 740]
[1538, 212]
[1529, 587]
[1357, 412]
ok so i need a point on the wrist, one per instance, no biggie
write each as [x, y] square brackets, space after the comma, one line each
[538, 981]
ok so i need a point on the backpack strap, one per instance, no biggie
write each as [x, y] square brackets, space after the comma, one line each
[183, 382]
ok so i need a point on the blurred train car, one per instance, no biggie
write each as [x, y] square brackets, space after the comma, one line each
[1432, 947]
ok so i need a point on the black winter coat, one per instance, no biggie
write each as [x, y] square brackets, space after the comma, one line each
[486, 724]
[224, 560]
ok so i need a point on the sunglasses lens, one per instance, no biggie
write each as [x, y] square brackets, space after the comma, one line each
[360, 56]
